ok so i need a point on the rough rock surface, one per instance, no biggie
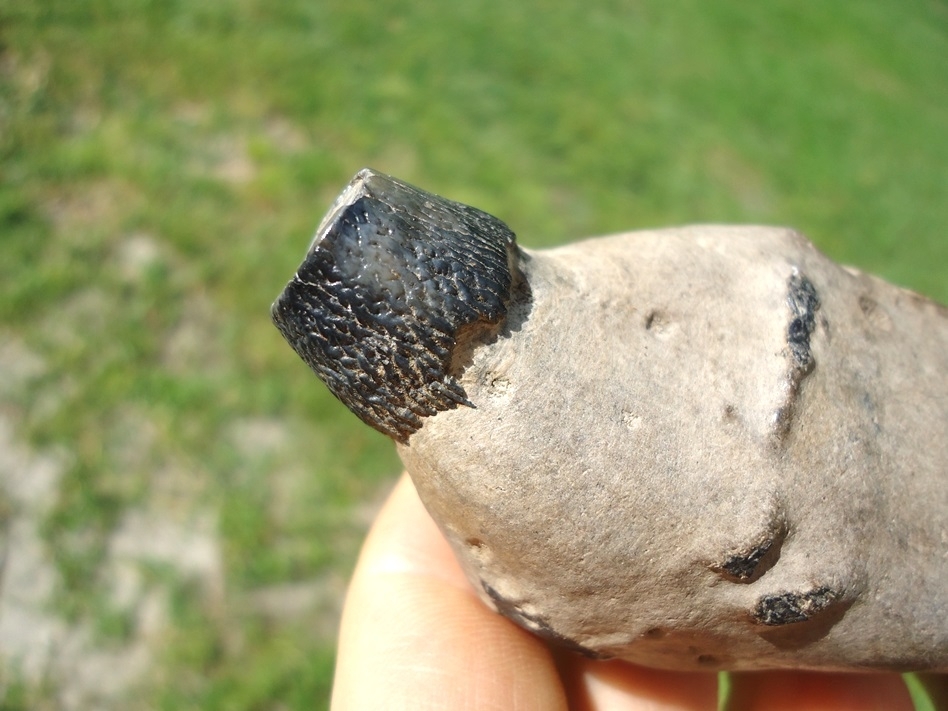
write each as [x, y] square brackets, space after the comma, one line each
[706, 447]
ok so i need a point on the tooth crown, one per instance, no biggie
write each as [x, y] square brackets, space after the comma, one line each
[392, 277]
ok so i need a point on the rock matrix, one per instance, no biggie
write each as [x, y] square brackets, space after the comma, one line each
[704, 447]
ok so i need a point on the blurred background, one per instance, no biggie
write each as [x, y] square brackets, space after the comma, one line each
[181, 501]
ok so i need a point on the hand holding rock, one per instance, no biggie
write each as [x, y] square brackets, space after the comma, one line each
[696, 448]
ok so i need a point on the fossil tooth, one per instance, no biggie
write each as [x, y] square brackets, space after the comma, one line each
[393, 280]
[703, 447]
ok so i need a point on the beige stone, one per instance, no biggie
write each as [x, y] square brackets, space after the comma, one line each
[650, 472]
[704, 447]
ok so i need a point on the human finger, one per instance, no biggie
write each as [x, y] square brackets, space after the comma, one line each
[415, 636]
[614, 685]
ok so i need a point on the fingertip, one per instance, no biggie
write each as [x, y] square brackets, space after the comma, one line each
[414, 635]
[622, 686]
[404, 539]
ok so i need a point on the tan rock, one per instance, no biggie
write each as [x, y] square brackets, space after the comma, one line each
[706, 447]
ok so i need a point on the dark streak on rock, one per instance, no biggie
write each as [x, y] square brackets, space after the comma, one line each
[537, 624]
[742, 567]
[748, 562]
[791, 607]
[748, 566]
[393, 277]
[803, 301]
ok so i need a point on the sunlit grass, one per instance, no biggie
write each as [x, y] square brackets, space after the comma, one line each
[162, 165]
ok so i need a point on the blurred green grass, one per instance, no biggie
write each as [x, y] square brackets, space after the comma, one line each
[163, 164]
